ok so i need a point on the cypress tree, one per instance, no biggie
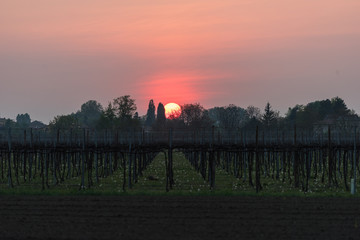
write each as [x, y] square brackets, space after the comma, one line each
[161, 115]
[150, 115]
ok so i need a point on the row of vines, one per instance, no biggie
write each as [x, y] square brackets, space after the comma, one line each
[45, 159]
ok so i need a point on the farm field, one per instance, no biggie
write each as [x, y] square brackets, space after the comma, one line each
[178, 217]
[176, 163]
[190, 210]
[187, 181]
[54, 206]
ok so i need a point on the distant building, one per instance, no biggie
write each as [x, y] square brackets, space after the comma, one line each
[37, 124]
[321, 127]
[340, 125]
[2, 122]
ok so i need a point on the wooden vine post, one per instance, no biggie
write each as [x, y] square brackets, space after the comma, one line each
[330, 157]
[354, 161]
[24, 156]
[96, 159]
[257, 162]
[10, 183]
[30, 155]
[296, 161]
[82, 186]
[291, 155]
[212, 160]
[129, 168]
[170, 161]
[166, 172]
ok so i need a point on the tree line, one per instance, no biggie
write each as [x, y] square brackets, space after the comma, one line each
[121, 113]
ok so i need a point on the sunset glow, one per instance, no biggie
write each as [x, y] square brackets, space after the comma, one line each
[172, 111]
[212, 52]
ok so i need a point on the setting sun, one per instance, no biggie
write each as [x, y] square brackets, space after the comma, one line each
[172, 110]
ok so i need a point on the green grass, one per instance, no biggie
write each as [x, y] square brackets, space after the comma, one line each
[187, 183]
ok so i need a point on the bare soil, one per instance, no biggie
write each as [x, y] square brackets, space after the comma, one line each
[160, 217]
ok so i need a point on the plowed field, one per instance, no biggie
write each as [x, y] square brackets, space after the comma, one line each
[145, 217]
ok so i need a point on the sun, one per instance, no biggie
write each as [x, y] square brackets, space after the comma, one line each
[172, 110]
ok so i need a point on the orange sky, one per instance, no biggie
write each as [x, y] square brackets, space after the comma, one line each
[57, 54]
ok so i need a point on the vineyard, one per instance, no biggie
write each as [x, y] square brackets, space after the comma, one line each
[178, 161]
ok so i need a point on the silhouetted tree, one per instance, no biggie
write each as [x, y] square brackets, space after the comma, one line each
[270, 116]
[124, 107]
[339, 107]
[160, 116]
[135, 121]
[175, 123]
[321, 112]
[150, 115]
[64, 122]
[107, 119]
[109, 112]
[229, 117]
[23, 120]
[9, 123]
[347, 122]
[195, 116]
[90, 114]
[291, 116]
[253, 112]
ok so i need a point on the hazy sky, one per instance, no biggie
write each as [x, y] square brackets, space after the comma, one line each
[56, 55]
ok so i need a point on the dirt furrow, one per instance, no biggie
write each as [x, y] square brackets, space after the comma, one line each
[147, 217]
